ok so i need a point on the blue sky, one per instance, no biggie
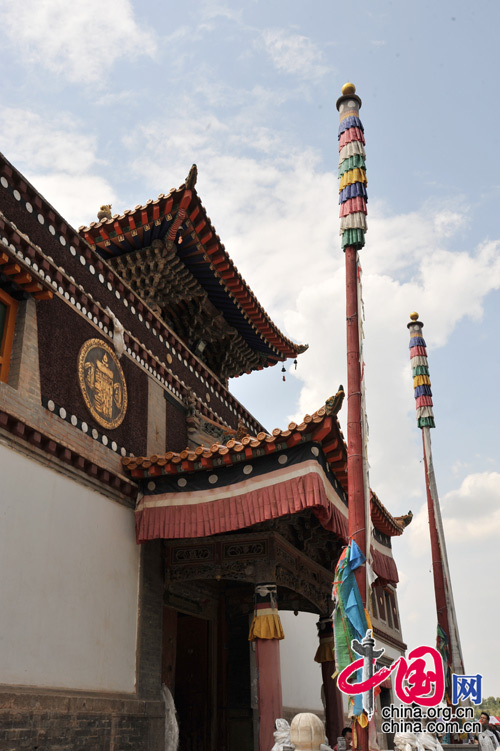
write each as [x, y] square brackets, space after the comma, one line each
[112, 103]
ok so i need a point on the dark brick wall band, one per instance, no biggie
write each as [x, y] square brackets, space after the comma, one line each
[46, 721]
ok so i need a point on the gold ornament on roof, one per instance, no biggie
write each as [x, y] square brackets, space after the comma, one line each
[414, 316]
[104, 212]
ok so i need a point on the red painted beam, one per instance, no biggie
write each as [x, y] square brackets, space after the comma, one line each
[322, 430]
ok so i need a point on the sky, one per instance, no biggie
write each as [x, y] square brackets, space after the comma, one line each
[112, 103]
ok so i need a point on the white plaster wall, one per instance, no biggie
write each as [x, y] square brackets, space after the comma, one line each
[69, 573]
[300, 675]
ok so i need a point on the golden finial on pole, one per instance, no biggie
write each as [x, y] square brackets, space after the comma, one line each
[350, 98]
[348, 89]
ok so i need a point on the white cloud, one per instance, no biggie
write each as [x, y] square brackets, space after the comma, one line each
[59, 159]
[49, 145]
[76, 197]
[211, 9]
[77, 40]
[473, 510]
[294, 54]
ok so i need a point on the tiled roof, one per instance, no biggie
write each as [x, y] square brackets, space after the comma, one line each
[322, 426]
[177, 227]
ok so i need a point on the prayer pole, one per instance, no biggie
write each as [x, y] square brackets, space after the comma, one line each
[352, 229]
[353, 211]
[448, 640]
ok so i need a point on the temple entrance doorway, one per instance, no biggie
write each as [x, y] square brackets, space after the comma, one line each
[193, 689]
[209, 666]
[215, 588]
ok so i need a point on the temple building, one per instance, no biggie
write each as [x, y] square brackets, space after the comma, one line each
[152, 529]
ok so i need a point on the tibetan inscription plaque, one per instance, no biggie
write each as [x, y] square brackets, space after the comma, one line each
[102, 383]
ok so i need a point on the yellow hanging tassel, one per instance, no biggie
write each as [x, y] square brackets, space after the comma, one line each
[266, 626]
[326, 650]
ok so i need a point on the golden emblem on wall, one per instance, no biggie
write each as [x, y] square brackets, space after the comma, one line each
[102, 383]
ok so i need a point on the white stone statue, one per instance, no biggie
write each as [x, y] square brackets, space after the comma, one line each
[171, 725]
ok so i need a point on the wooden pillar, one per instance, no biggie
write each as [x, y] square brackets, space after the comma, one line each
[334, 711]
[270, 701]
[266, 631]
[325, 655]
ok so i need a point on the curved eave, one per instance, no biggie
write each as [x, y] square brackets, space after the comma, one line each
[321, 427]
[180, 216]
[384, 521]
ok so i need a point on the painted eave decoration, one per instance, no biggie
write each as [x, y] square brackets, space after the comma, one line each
[169, 253]
[382, 519]
[321, 427]
[21, 262]
[254, 479]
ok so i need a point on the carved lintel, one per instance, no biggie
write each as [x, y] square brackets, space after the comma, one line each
[251, 558]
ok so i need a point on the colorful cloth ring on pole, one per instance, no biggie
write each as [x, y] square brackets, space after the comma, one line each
[350, 162]
[352, 191]
[350, 136]
[352, 205]
[350, 122]
[420, 373]
[350, 149]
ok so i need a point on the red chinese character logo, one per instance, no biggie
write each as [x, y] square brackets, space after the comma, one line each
[414, 681]
[425, 687]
